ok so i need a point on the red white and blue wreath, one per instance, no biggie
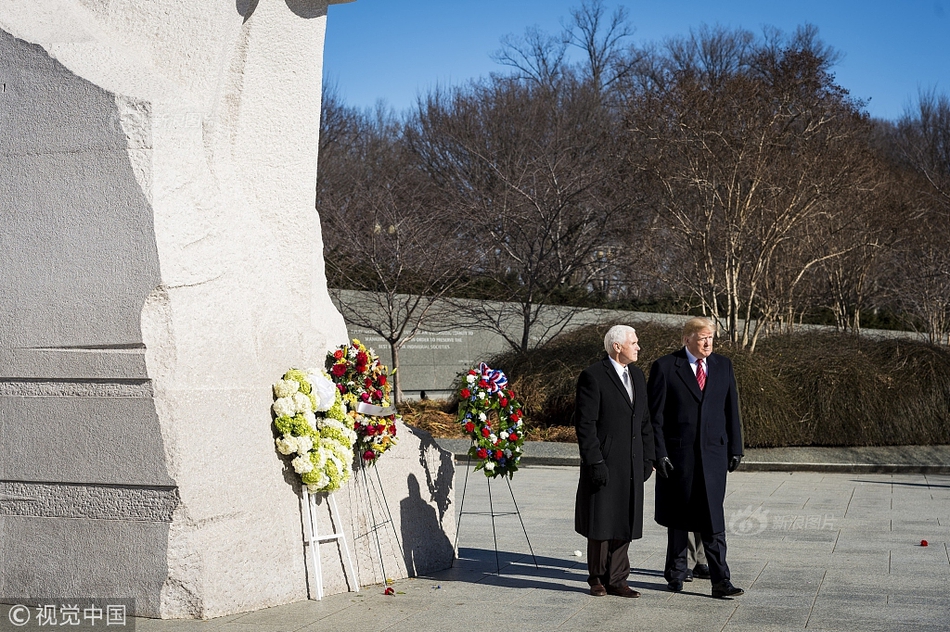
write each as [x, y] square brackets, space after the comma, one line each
[492, 417]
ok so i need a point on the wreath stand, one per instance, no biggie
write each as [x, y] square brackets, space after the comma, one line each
[491, 512]
[313, 539]
[377, 495]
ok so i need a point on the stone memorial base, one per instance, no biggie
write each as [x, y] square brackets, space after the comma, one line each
[161, 268]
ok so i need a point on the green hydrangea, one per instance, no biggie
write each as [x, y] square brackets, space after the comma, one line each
[299, 376]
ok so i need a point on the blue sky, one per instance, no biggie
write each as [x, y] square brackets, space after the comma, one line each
[393, 50]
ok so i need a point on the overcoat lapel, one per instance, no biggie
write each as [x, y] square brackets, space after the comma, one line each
[686, 374]
[609, 368]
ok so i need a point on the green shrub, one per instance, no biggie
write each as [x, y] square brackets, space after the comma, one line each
[822, 389]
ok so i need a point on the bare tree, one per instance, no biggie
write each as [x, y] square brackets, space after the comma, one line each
[752, 145]
[528, 167]
[386, 235]
[923, 136]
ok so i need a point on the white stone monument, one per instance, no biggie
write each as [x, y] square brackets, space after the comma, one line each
[160, 267]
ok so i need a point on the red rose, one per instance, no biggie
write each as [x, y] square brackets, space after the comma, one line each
[338, 370]
[503, 402]
[341, 388]
[499, 454]
[471, 371]
[378, 393]
[486, 432]
[382, 380]
[482, 453]
[364, 397]
[482, 384]
[362, 358]
[465, 393]
[361, 368]
[513, 436]
[515, 416]
[369, 455]
[368, 383]
[469, 427]
[338, 354]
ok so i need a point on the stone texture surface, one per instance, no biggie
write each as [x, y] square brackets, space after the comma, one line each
[161, 267]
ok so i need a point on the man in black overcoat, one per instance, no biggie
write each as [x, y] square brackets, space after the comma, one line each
[616, 445]
[694, 406]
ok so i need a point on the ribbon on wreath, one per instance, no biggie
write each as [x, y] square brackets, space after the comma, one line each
[374, 411]
[495, 379]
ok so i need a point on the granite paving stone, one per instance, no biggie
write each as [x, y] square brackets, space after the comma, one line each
[815, 549]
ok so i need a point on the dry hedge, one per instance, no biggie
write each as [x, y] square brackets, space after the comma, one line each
[822, 389]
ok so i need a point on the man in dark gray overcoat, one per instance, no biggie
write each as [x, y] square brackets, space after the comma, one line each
[615, 438]
[694, 405]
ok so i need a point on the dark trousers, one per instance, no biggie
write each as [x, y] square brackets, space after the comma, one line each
[607, 562]
[677, 543]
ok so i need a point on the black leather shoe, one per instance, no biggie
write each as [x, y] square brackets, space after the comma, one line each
[598, 590]
[701, 571]
[622, 591]
[675, 585]
[689, 576]
[725, 589]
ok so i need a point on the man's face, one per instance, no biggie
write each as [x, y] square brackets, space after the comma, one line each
[700, 343]
[627, 352]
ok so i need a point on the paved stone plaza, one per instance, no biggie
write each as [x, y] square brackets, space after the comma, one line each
[814, 551]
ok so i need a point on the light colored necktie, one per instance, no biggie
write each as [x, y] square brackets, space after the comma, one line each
[700, 374]
[626, 384]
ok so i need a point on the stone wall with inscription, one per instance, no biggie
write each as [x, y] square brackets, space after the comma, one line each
[433, 358]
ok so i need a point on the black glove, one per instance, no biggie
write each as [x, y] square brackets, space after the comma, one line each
[734, 462]
[663, 467]
[599, 474]
[647, 470]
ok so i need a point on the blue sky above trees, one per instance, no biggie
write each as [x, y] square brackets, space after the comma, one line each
[393, 50]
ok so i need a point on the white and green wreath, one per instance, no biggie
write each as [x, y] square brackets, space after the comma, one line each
[312, 426]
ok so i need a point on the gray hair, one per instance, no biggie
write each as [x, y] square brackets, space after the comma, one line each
[618, 334]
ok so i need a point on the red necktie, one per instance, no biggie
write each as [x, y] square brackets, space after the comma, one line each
[700, 374]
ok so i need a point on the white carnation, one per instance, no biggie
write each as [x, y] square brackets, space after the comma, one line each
[492, 437]
[285, 407]
[286, 388]
[323, 389]
[470, 379]
[482, 416]
[287, 444]
[481, 394]
[304, 445]
[503, 434]
[302, 464]
[489, 466]
[302, 403]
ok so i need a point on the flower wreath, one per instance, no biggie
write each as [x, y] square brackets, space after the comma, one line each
[322, 444]
[492, 417]
[364, 384]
